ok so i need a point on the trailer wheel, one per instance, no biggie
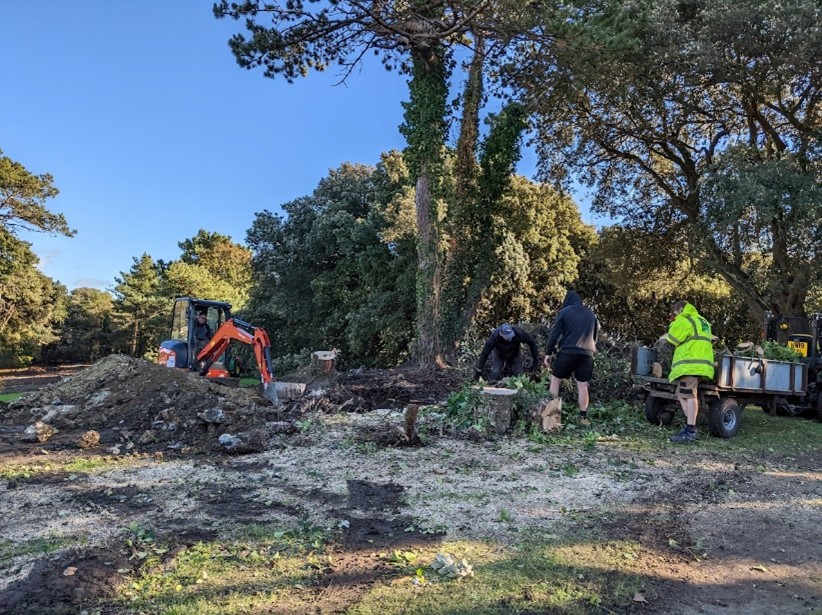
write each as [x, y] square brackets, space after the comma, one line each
[724, 418]
[656, 412]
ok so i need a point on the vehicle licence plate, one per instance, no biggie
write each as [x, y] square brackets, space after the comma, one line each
[799, 347]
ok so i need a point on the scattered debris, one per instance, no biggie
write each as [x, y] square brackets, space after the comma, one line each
[38, 432]
[90, 439]
[449, 567]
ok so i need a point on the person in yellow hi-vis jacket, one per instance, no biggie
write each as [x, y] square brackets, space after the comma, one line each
[690, 334]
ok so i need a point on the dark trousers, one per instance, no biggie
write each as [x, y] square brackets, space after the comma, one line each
[500, 366]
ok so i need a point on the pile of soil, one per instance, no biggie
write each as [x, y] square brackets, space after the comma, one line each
[135, 403]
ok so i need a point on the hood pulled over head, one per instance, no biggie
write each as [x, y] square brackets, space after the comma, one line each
[572, 298]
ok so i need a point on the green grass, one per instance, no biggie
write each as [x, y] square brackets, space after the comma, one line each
[267, 570]
[36, 546]
[541, 574]
[623, 425]
[759, 432]
[10, 397]
[78, 465]
[258, 570]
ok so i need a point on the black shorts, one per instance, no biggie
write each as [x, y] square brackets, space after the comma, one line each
[580, 365]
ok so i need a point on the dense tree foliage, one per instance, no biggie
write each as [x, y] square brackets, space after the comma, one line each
[87, 333]
[142, 306]
[338, 271]
[31, 304]
[666, 106]
[631, 278]
[213, 267]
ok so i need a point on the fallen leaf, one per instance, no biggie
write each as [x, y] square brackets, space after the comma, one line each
[639, 598]
[69, 572]
[760, 568]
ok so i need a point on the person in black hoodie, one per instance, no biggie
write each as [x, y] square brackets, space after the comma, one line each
[575, 333]
[504, 347]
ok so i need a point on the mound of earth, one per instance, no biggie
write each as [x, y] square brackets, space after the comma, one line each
[138, 405]
[134, 402]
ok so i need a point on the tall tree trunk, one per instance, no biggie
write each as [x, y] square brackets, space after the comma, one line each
[425, 130]
[134, 335]
[427, 349]
[458, 268]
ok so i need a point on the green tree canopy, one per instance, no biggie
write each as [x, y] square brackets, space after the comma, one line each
[31, 304]
[143, 308]
[647, 101]
[22, 200]
[86, 335]
[211, 267]
[326, 277]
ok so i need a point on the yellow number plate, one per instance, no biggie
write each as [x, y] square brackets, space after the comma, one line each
[799, 347]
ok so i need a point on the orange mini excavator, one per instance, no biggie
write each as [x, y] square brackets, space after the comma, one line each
[195, 347]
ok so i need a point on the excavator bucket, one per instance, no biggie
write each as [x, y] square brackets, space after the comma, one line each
[270, 393]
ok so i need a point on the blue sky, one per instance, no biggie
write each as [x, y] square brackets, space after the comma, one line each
[152, 131]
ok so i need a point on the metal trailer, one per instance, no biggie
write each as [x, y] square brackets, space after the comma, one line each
[739, 381]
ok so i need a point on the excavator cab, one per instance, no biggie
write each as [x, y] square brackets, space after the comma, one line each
[182, 349]
[211, 354]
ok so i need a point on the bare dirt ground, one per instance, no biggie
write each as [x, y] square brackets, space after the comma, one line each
[33, 378]
[711, 531]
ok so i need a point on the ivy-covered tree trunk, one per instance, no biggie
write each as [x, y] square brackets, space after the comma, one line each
[472, 261]
[457, 268]
[425, 131]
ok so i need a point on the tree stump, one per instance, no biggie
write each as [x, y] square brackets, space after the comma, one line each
[322, 370]
[498, 408]
[411, 413]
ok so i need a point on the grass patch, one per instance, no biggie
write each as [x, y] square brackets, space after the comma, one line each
[248, 382]
[36, 546]
[9, 397]
[541, 574]
[760, 432]
[76, 466]
[260, 571]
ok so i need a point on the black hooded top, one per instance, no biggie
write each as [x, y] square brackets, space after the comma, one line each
[575, 329]
[507, 349]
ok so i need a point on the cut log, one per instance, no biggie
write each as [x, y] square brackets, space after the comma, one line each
[498, 409]
[549, 415]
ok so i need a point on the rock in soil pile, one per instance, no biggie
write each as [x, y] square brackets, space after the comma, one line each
[134, 402]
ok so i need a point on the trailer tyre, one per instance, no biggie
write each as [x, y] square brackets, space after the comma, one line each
[724, 418]
[656, 411]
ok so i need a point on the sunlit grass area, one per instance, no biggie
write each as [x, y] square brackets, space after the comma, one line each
[10, 397]
[69, 467]
[624, 425]
[252, 573]
[269, 571]
[540, 574]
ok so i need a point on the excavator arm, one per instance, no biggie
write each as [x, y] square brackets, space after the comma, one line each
[256, 337]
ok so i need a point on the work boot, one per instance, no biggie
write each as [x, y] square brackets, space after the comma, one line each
[584, 422]
[684, 437]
